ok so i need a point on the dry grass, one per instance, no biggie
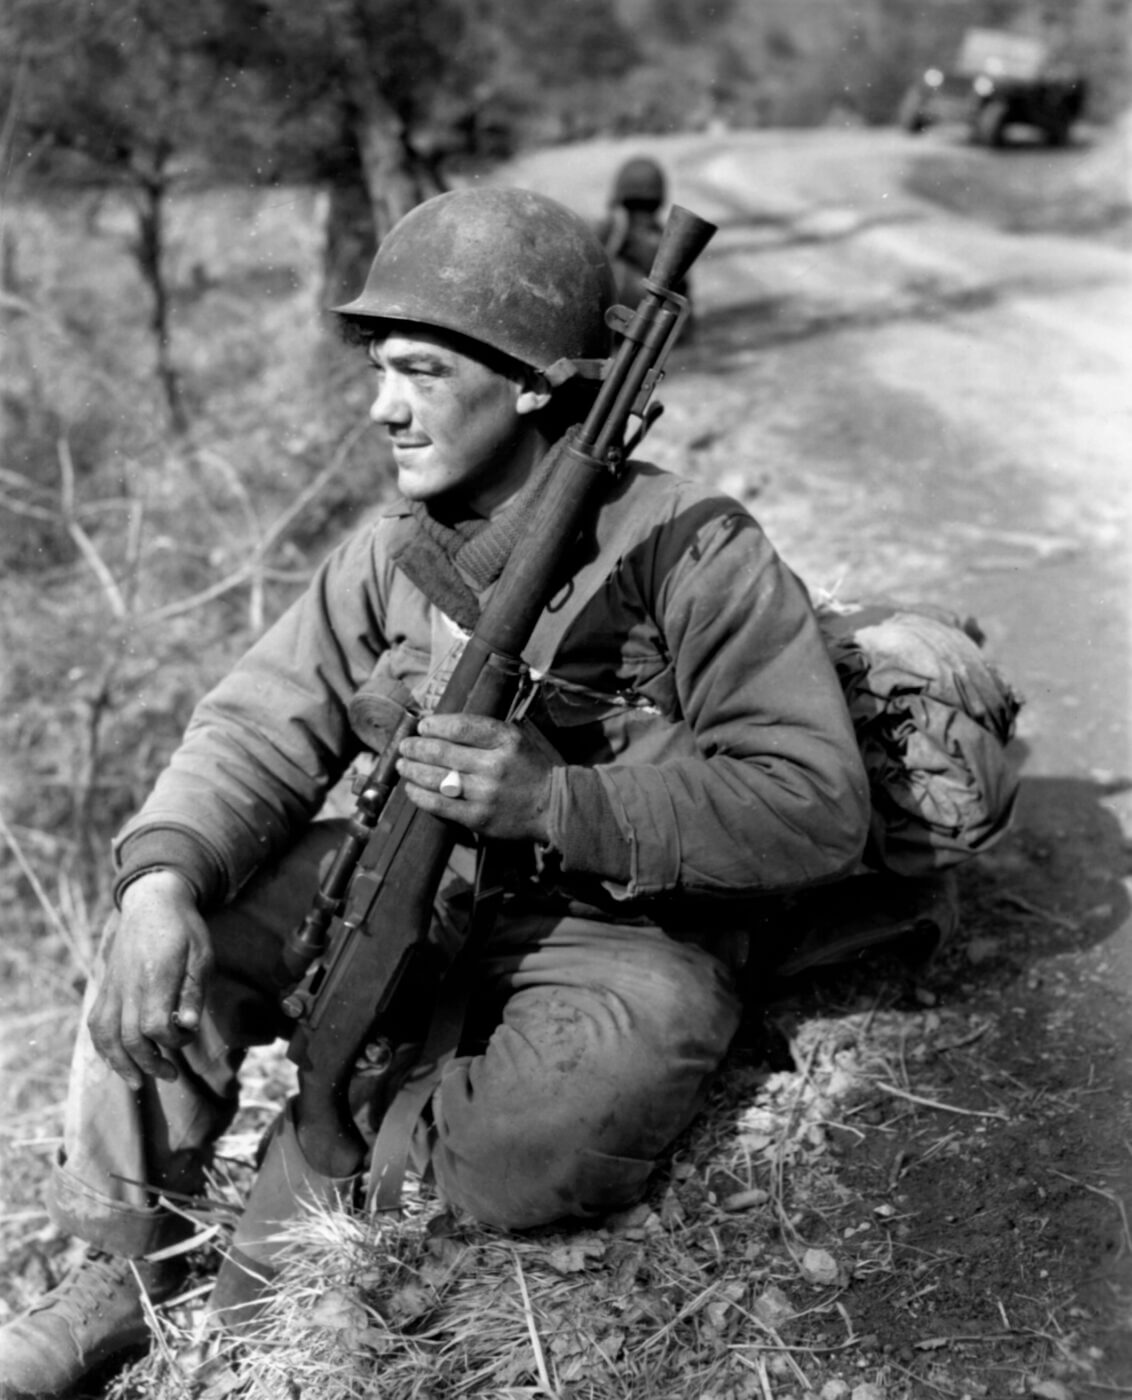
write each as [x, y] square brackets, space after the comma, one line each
[742, 1275]
[731, 1280]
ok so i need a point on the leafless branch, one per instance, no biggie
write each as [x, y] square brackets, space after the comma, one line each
[278, 527]
[11, 116]
[82, 540]
[80, 955]
[943, 1107]
[27, 510]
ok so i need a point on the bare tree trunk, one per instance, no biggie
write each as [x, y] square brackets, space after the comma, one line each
[149, 250]
[392, 183]
[350, 241]
[395, 176]
[378, 129]
[391, 180]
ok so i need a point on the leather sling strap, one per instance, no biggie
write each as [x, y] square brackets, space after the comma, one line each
[390, 1154]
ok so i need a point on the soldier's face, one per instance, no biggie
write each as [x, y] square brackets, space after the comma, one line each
[458, 429]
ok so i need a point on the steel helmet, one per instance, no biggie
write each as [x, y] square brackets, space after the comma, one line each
[509, 268]
[640, 181]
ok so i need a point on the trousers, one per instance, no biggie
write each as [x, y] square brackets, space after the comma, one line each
[599, 1041]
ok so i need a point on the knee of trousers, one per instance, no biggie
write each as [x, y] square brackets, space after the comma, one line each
[517, 1180]
[521, 1160]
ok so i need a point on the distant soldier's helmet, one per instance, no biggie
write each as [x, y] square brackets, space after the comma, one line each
[640, 181]
[509, 268]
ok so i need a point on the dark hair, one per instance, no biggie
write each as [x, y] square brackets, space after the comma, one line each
[362, 330]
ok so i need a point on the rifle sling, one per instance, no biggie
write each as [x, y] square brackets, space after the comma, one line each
[390, 1154]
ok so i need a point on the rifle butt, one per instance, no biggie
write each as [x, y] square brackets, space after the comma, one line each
[285, 1185]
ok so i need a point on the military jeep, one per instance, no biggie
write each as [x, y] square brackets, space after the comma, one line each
[999, 80]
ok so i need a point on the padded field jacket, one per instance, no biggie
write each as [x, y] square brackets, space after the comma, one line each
[705, 748]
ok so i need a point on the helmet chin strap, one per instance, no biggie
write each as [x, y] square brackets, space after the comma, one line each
[622, 321]
[562, 370]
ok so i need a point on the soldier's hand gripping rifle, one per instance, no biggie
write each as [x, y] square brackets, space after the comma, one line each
[374, 907]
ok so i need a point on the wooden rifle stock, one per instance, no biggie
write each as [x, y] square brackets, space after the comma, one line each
[386, 913]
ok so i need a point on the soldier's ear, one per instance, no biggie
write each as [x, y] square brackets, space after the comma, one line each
[534, 395]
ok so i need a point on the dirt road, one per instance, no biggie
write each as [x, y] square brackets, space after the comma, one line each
[953, 397]
[913, 359]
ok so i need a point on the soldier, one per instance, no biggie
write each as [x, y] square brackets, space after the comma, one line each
[631, 230]
[696, 752]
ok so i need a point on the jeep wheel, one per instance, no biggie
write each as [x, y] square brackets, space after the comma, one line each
[1057, 132]
[911, 116]
[989, 125]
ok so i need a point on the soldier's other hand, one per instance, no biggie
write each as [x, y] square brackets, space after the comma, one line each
[157, 968]
[486, 774]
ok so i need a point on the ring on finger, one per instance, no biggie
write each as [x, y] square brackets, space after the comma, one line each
[451, 785]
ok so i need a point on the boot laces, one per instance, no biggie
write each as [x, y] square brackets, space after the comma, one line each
[93, 1282]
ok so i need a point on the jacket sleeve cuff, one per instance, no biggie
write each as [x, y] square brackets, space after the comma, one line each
[170, 848]
[594, 836]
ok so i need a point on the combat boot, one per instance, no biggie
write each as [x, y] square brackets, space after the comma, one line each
[94, 1315]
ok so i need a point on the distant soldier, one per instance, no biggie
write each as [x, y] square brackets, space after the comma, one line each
[631, 230]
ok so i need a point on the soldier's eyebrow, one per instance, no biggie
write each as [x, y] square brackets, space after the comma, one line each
[410, 361]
